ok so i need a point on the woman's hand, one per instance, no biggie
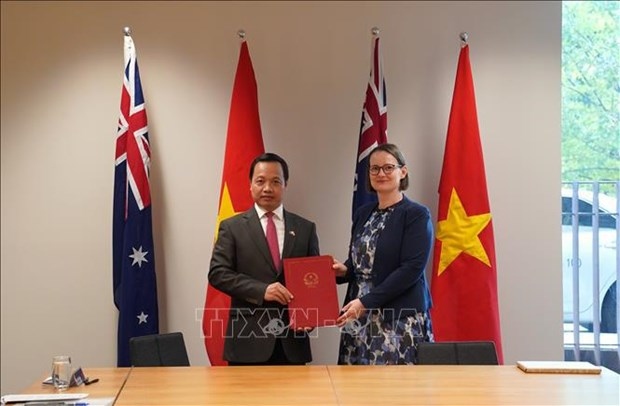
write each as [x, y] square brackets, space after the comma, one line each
[351, 311]
[339, 268]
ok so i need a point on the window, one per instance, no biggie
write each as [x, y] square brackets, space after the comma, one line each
[591, 180]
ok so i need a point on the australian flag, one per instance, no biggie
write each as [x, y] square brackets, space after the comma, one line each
[135, 285]
[373, 128]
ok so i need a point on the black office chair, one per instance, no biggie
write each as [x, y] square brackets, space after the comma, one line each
[437, 353]
[476, 353]
[457, 353]
[158, 350]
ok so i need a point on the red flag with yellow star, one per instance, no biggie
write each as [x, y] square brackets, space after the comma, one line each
[464, 281]
[244, 142]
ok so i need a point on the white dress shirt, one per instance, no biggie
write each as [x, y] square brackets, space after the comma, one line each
[278, 219]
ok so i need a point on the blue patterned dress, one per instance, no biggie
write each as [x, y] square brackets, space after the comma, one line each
[370, 340]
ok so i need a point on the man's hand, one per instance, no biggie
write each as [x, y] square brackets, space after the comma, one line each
[276, 292]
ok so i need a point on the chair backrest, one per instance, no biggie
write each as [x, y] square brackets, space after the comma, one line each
[437, 353]
[158, 350]
[457, 353]
[476, 353]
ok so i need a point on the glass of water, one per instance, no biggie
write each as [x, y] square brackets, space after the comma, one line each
[61, 372]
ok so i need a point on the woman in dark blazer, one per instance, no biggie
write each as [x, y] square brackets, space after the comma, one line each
[386, 311]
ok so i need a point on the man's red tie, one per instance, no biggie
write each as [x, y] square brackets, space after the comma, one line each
[272, 240]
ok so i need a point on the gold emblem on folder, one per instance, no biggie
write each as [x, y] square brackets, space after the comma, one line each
[311, 279]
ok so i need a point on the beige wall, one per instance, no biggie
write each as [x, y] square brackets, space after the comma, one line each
[61, 80]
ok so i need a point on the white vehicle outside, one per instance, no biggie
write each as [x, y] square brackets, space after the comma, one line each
[607, 259]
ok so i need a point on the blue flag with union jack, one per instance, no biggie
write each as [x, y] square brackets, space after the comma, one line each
[373, 127]
[135, 287]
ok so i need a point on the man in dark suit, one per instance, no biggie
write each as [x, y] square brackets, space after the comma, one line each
[246, 265]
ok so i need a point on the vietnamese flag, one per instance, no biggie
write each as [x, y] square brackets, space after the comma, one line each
[464, 280]
[244, 142]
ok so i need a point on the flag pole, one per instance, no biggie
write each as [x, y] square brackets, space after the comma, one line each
[463, 36]
[244, 142]
[373, 124]
[135, 291]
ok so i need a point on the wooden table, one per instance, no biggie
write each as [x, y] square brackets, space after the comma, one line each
[348, 385]
[469, 385]
[264, 385]
[110, 382]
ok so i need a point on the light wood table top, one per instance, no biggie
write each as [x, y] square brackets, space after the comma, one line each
[264, 385]
[110, 382]
[347, 385]
[469, 385]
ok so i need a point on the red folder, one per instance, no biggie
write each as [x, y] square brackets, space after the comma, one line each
[312, 282]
